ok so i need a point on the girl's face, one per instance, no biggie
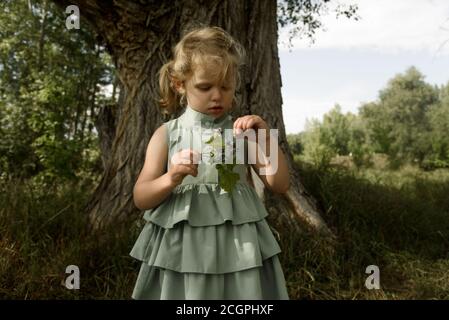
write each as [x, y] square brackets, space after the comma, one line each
[204, 94]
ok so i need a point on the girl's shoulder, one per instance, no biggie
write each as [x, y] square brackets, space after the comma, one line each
[173, 123]
[173, 127]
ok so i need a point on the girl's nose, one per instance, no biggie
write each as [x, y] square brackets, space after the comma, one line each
[216, 93]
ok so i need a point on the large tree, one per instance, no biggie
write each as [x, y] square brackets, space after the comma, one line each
[398, 122]
[49, 93]
[139, 35]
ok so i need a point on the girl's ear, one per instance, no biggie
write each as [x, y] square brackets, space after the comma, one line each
[178, 85]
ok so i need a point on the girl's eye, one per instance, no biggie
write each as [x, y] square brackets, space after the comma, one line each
[207, 88]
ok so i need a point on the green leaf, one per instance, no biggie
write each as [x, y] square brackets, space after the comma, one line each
[226, 177]
[210, 140]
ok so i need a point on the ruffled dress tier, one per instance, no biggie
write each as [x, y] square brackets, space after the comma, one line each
[202, 242]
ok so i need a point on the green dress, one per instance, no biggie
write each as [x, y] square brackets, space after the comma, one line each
[202, 243]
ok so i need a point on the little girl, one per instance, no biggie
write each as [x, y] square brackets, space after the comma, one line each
[198, 241]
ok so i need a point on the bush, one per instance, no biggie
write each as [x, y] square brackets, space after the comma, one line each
[432, 164]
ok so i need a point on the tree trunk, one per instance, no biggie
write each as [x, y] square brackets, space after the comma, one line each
[42, 34]
[139, 35]
[106, 123]
[114, 88]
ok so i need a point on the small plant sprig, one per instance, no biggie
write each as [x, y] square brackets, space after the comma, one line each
[227, 178]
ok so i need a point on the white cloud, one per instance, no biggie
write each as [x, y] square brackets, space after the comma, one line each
[297, 110]
[315, 103]
[386, 26]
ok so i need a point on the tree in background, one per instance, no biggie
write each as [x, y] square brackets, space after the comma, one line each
[139, 36]
[295, 142]
[335, 131]
[378, 127]
[51, 82]
[438, 117]
[315, 150]
[405, 102]
[409, 123]
[359, 145]
[337, 134]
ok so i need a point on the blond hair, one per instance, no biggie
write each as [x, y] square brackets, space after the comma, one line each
[206, 46]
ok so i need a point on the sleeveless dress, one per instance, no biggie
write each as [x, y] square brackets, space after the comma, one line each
[203, 242]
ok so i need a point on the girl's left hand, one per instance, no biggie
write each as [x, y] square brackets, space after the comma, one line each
[247, 122]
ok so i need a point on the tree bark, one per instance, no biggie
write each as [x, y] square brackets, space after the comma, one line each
[42, 34]
[106, 124]
[139, 35]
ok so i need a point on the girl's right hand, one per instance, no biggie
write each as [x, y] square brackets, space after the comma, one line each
[183, 163]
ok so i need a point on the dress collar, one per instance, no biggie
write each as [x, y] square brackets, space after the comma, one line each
[191, 116]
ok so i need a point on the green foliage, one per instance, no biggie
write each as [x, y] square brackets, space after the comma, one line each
[295, 143]
[406, 101]
[339, 134]
[315, 151]
[50, 81]
[377, 127]
[335, 131]
[398, 123]
[409, 123]
[438, 117]
[304, 16]
[358, 145]
[227, 178]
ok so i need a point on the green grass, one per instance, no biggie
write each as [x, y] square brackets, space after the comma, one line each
[42, 231]
[397, 220]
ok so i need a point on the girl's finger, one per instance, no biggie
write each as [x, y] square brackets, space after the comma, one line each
[189, 169]
[189, 156]
[246, 124]
[178, 159]
[251, 122]
[238, 125]
[241, 123]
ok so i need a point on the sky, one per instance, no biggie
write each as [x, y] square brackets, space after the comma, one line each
[351, 61]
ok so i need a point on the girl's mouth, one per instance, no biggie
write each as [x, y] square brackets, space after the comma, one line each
[216, 109]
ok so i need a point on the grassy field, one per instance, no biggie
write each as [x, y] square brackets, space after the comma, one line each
[397, 220]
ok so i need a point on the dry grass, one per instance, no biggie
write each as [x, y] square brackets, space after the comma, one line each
[397, 220]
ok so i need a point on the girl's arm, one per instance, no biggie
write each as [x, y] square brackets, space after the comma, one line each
[154, 184]
[276, 176]
[276, 179]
